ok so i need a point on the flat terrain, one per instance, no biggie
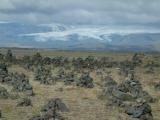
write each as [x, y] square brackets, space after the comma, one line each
[83, 103]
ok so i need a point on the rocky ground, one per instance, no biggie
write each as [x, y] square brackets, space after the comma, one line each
[82, 86]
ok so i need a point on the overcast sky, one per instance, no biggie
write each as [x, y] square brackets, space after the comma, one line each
[86, 12]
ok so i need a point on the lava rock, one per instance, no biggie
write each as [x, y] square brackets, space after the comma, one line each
[21, 83]
[3, 93]
[3, 72]
[134, 87]
[85, 81]
[143, 111]
[122, 95]
[44, 76]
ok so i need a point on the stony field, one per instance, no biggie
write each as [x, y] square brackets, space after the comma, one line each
[61, 85]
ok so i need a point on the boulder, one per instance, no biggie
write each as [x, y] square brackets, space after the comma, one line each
[122, 95]
[126, 94]
[20, 82]
[9, 56]
[142, 111]
[44, 76]
[3, 72]
[112, 94]
[134, 87]
[3, 93]
[85, 81]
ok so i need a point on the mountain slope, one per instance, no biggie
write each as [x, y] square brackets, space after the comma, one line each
[64, 37]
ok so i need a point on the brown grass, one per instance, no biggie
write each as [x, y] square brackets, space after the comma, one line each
[83, 103]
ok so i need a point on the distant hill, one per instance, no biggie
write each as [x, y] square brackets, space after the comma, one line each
[62, 37]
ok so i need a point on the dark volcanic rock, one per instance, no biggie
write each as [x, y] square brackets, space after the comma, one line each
[3, 72]
[142, 111]
[9, 56]
[21, 83]
[126, 94]
[111, 92]
[44, 76]
[85, 81]
[3, 93]
[134, 87]
[122, 95]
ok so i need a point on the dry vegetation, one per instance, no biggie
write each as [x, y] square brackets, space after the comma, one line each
[83, 103]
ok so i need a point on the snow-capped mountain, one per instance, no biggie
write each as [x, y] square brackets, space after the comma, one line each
[101, 33]
[69, 37]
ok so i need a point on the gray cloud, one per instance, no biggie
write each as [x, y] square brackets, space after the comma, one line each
[94, 12]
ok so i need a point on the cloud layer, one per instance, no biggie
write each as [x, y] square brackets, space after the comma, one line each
[78, 12]
[100, 33]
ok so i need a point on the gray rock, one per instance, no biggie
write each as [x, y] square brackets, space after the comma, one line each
[122, 95]
[44, 76]
[140, 111]
[135, 89]
[3, 72]
[21, 83]
[85, 81]
[3, 93]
